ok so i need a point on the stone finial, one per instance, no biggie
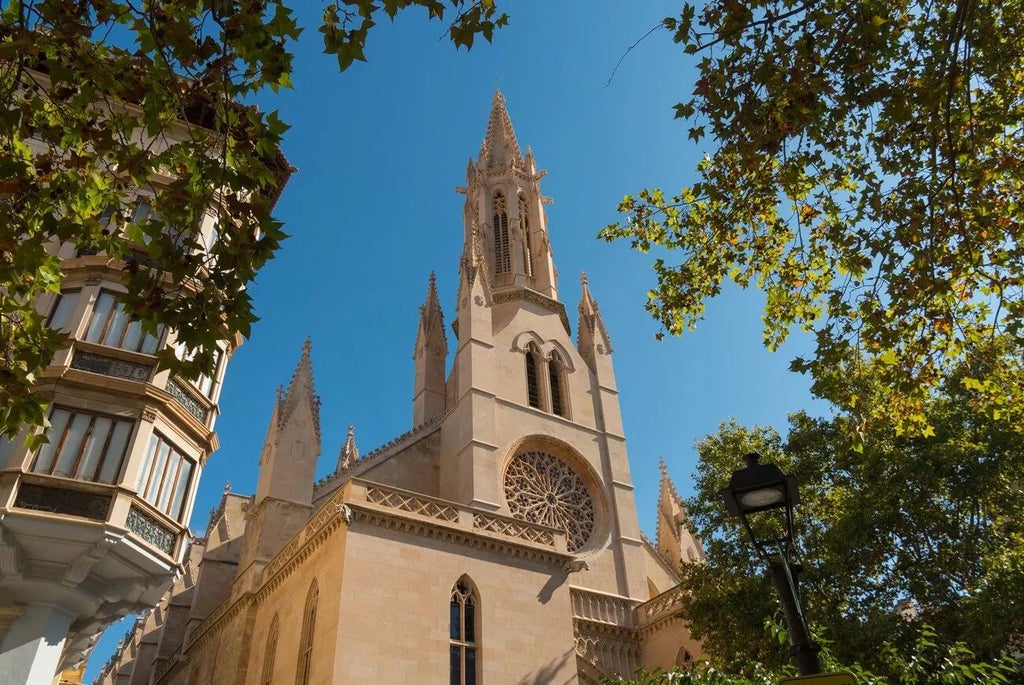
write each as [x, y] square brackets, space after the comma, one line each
[349, 453]
[500, 147]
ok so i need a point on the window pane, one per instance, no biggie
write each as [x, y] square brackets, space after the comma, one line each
[62, 311]
[455, 661]
[470, 621]
[133, 337]
[179, 491]
[159, 468]
[115, 331]
[72, 444]
[147, 466]
[6, 450]
[58, 421]
[150, 343]
[94, 448]
[454, 631]
[170, 479]
[100, 313]
[470, 666]
[115, 452]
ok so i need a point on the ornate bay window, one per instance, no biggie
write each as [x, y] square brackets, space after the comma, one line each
[165, 477]
[110, 324]
[84, 446]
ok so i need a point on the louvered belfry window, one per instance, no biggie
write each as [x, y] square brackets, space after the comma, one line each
[502, 255]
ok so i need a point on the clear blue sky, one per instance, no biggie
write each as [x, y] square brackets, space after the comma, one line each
[372, 210]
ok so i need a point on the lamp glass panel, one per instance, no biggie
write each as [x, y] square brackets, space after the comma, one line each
[761, 498]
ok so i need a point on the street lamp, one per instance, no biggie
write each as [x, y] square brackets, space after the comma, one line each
[764, 487]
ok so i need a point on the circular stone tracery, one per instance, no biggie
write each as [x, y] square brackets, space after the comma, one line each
[543, 489]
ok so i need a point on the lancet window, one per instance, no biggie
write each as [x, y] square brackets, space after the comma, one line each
[532, 387]
[268, 657]
[462, 634]
[306, 637]
[556, 378]
[502, 255]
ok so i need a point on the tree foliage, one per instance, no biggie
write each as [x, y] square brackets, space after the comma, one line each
[865, 173]
[107, 99]
[924, 662]
[911, 529]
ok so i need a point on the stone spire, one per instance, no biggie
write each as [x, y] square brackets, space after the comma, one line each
[431, 332]
[292, 445]
[301, 393]
[676, 542]
[592, 341]
[349, 453]
[500, 147]
[430, 355]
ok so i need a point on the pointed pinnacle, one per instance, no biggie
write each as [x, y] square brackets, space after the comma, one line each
[349, 453]
[500, 134]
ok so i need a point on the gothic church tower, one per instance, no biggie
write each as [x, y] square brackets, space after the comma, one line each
[496, 541]
[530, 411]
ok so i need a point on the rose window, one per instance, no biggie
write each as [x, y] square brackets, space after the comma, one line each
[543, 489]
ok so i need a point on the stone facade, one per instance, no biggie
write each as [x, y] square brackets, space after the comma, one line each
[495, 542]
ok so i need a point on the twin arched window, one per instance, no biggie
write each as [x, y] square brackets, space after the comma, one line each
[555, 378]
[462, 633]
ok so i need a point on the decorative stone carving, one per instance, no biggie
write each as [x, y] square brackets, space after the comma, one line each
[182, 397]
[147, 528]
[107, 366]
[576, 565]
[63, 501]
[345, 511]
[541, 488]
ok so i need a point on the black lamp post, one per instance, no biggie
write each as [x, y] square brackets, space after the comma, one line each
[764, 487]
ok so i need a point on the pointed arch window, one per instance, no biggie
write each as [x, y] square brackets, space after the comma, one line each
[462, 634]
[268, 657]
[556, 377]
[306, 637]
[524, 221]
[502, 255]
[532, 388]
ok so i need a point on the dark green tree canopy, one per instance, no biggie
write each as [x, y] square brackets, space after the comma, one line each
[107, 101]
[864, 171]
[909, 530]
